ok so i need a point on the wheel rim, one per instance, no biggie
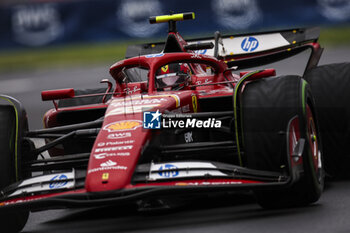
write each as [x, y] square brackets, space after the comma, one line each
[314, 144]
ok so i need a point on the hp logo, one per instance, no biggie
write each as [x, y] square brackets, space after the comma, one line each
[58, 181]
[168, 170]
[249, 44]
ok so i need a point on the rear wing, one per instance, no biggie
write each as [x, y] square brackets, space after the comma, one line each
[247, 45]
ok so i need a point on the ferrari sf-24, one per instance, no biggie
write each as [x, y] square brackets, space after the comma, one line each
[181, 119]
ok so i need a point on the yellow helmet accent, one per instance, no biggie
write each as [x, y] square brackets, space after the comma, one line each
[165, 68]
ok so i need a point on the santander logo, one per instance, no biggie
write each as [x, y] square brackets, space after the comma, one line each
[109, 163]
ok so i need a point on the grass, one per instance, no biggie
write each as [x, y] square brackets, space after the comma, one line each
[62, 56]
[108, 53]
[337, 36]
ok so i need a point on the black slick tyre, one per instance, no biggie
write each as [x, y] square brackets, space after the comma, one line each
[277, 114]
[9, 221]
[330, 85]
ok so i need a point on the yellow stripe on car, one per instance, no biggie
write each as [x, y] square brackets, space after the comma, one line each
[174, 17]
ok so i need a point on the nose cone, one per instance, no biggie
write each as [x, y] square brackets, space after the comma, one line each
[122, 138]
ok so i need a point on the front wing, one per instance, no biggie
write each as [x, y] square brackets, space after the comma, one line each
[65, 189]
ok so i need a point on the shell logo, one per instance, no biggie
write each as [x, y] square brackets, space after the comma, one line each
[123, 125]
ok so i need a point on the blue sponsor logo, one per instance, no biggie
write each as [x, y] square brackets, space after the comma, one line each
[152, 120]
[201, 51]
[250, 44]
[37, 24]
[168, 170]
[131, 15]
[154, 55]
[60, 181]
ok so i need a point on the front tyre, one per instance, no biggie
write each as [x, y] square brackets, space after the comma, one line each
[10, 222]
[277, 117]
[13, 222]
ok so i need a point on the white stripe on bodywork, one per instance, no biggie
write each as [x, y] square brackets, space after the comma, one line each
[184, 174]
[45, 178]
[233, 45]
[184, 165]
[182, 170]
[42, 183]
[40, 188]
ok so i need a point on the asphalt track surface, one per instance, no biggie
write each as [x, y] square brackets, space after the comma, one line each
[233, 213]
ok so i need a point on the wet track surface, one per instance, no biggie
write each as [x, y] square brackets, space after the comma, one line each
[222, 214]
[225, 214]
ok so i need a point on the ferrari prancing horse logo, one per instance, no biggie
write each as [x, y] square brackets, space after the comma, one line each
[194, 103]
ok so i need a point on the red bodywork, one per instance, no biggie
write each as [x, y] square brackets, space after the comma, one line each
[119, 176]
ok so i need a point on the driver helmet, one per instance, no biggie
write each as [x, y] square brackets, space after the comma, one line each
[172, 75]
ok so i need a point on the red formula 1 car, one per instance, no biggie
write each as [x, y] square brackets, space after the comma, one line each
[183, 119]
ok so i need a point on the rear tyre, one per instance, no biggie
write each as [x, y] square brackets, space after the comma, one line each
[10, 221]
[330, 85]
[277, 113]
